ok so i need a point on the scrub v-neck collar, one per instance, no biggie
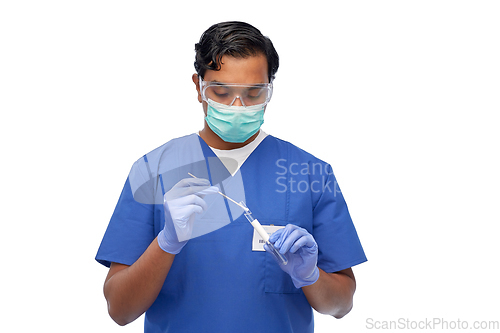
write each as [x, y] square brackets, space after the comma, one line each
[209, 152]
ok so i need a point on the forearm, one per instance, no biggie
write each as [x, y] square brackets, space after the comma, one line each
[131, 290]
[332, 293]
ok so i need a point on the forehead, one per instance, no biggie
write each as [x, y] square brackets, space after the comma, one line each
[248, 70]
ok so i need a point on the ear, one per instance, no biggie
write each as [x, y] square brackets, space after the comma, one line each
[196, 81]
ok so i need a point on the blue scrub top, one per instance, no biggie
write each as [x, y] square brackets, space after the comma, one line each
[217, 283]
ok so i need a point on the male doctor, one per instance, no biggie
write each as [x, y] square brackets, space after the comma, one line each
[215, 280]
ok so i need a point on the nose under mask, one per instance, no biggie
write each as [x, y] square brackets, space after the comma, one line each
[234, 123]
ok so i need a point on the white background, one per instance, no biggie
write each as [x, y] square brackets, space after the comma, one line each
[401, 97]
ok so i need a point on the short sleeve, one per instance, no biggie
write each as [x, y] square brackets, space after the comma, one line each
[338, 242]
[130, 230]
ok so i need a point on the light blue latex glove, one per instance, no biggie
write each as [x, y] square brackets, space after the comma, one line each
[180, 204]
[301, 250]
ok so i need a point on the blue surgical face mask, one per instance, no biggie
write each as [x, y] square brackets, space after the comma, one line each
[234, 123]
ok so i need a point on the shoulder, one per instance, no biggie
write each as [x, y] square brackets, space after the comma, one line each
[173, 145]
[295, 153]
[169, 150]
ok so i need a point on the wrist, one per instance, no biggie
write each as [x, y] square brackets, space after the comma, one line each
[304, 282]
[169, 247]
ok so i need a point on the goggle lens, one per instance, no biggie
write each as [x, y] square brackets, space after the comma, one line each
[228, 93]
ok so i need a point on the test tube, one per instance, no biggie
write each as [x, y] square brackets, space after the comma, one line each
[258, 227]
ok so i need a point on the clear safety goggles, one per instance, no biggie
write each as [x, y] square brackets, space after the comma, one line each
[227, 93]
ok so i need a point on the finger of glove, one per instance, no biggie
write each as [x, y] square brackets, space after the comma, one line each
[186, 187]
[290, 240]
[266, 247]
[188, 210]
[210, 190]
[284, 234]
[276, 235]
[188, 182]
[175, 193]
[190, 200]
[305, 241]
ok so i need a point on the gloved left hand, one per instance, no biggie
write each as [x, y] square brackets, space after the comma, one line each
[301, 250]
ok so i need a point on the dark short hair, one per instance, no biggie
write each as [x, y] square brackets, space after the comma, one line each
[236, 39]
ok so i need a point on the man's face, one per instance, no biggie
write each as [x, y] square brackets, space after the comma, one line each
[250, 70]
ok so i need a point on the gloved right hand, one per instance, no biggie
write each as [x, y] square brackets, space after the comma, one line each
[180, 204]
